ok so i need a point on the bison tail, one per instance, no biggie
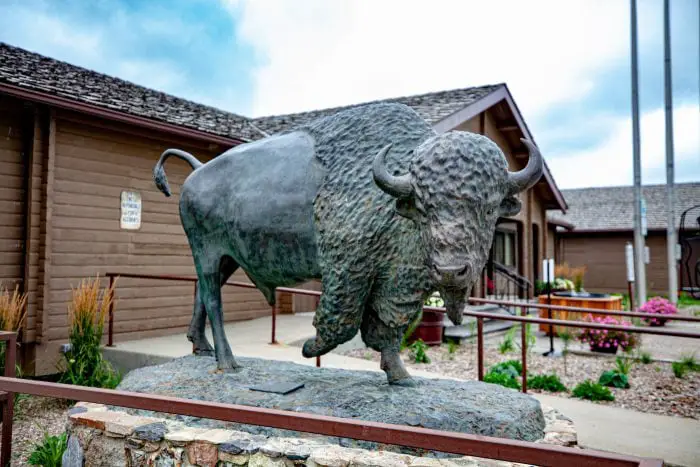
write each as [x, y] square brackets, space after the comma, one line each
[159, 170]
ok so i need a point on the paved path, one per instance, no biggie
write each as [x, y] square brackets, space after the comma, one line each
[674, 439]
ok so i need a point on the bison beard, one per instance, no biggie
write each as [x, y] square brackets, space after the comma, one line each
[455, 300]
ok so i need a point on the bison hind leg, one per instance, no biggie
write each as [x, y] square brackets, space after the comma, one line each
[387, 341]
[196, 334]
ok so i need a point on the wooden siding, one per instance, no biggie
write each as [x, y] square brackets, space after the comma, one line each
[93, 165]
[604, 257]
[12, 193]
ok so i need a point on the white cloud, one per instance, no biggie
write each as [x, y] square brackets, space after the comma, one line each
[610, 163]
[318, 54]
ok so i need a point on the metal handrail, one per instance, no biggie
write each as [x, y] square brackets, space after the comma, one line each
[408, 436]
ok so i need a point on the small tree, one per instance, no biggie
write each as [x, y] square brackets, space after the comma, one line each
[566, 337]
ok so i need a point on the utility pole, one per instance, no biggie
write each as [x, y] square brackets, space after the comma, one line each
[671, 218]
[639, 270]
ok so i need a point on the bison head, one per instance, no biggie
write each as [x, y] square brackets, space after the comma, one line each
[455, 189]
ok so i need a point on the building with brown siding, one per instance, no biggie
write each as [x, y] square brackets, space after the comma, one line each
[600, 222]
[73, 141]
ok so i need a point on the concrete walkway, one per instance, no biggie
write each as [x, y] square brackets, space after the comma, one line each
[674, 439]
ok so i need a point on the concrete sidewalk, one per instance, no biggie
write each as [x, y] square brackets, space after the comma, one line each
[674, 439]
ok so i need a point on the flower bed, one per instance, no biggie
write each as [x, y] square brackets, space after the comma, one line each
[658, 305]
[608, 341]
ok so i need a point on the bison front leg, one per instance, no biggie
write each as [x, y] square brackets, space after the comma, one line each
[339, 312]
[387, 340]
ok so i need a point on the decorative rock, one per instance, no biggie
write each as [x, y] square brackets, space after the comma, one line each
[77, 410]
[184, 436]
[73, 455]
[215, 436]
[425, 462]
[91, 406]
[235, 459]
[334, 456]
[379, 458]
[242, 446]
[124, 425]
[105, 452]
[460, 406]
[154, 432]
[94, 419]
[261, 460]
[134, 443]
[202, 454]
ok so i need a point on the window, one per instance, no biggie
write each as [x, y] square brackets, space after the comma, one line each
[504, 248]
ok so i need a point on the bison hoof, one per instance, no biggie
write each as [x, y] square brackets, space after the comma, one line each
[227, 365]
[407, 382]
[311, 348]
[204, 352]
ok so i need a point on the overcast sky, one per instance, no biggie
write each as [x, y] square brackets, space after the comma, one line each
[567, 63]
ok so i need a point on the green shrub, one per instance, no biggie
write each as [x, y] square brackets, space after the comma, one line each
[84, 365]
[550, 383]
[615, 379]
[505, 373]
[502, 379]
[504, 367]
[50, 451]
[418, 349]
[592, 391]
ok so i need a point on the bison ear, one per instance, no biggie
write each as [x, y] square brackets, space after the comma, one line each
[406, 207]
[510, 206]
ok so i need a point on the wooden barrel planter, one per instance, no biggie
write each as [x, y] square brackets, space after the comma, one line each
[430, 328]
[587, 300]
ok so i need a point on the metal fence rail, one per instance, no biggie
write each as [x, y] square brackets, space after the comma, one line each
[414, 437]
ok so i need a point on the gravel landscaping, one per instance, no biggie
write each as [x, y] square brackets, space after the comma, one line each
[35, 416]
[654, 388]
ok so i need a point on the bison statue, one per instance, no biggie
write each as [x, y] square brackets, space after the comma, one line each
[371, 200]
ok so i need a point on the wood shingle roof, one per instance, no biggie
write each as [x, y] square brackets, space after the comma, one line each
[612, 208]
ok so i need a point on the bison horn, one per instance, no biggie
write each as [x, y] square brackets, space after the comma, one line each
[526, 178]
[396, 186]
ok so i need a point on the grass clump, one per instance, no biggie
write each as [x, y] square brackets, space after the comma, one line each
[418, 351]
[87, 311]
[49, 452]
[684, 365]
[549, 383]
[13, 311]
[592, 391]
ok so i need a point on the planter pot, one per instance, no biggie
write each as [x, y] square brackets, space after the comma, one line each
[430, 329]
[609, 350]
[658, 322]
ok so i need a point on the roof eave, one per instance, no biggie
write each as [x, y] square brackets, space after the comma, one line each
[96, 111]
[483, 104]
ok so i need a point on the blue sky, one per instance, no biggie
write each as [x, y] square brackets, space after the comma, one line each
[566, 63]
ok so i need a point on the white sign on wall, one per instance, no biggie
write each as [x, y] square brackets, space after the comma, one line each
[131, 210]
[629, 256]
[548, 270]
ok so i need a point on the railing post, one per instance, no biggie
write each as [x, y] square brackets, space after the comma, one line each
[274, 318]
[110, 325]
[480, 346]
[523, 348]
[9, 403]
